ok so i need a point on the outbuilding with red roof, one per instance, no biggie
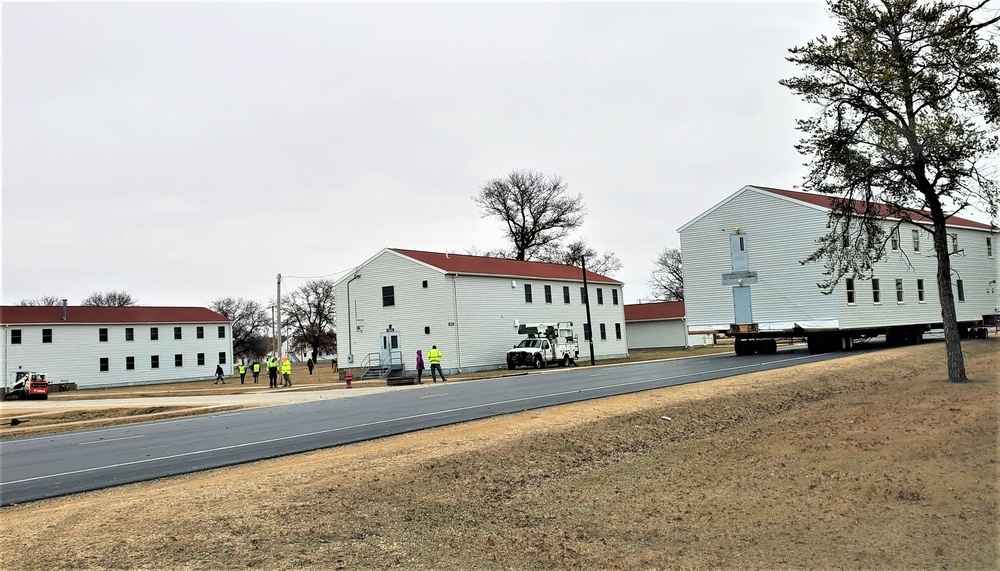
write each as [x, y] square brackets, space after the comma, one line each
[659, 324]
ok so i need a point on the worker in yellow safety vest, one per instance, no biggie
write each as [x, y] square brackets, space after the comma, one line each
[286, 372]
[434, 356]
[243, 372]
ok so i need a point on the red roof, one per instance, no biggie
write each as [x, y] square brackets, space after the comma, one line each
[481, 265]
[13, 314]
[826, 201]
[654, 311]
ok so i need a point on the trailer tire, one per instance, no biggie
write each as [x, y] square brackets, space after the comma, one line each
[742, 347]
[814, 343]
[770, 346]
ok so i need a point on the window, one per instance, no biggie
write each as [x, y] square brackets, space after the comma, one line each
[565, 294]
[916, 240]
[178, 360]
[920, 291]
[222, 332]
[129, 334]
[154, 362]
[614, 298]
[199, 332]
[388, 296]
[876, 292]
[424, 284]
[427, 330]
[102, 335]
[989, 247]
[548, 294]
[899, 291]
[894, 239]
[201, 359]
[600, 296]
[222, 358]
[154, 333]
[105, 364]
[586, 332]
[46, 336]
[527, 293]
[177, 333]
[129, 363]
[849, 286]
[15, 336]
[618, 329]
[604, 333]
[954, 242]
[961, 290]
[583, 295]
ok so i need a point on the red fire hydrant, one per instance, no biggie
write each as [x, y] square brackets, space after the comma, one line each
[347, 377]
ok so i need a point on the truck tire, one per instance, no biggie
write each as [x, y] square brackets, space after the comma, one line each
[539, 363]
[565, 361]
[511, 365]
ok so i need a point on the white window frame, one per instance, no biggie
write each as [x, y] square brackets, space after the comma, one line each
[916, 240]
[900, 298]
[894, 239]
[852, 296]
[921, 296]
[876, 291]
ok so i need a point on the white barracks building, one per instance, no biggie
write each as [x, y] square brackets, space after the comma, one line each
[115, 346]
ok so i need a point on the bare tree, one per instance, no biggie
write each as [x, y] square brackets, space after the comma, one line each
[250, 324]
[45, 300]
[908, 100]
[310, 313]
[535, 208]
[667, 280]
[110, 299]
[606, 264]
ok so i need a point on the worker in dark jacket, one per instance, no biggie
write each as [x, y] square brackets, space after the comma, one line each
[218, 374]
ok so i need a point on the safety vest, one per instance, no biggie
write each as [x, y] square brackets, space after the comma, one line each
[272, 364]
[435, 356]
[243, 369]
[286, 367]
[256, 367]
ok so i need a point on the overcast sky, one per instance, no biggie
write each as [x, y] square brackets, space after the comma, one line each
[187, 152]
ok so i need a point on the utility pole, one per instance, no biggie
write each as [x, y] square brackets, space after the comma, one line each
[278, 336]
[586, 301]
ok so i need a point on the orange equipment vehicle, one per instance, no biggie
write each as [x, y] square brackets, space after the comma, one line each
[28, 385]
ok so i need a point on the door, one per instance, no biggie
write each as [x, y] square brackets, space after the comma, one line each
[741, 305]
[389, 352]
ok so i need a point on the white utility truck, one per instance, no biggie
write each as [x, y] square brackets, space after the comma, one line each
[546, 344]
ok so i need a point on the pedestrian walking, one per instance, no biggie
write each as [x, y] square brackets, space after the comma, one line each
[243, 372]
[286, 371]
[309, 363]
[272, 371]
[434, 356]
[420, 366]
[255, 369]
[218, 375]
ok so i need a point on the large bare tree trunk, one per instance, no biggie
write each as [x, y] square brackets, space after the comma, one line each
[952, 340]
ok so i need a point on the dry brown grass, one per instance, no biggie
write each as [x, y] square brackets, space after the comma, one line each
[867, 462]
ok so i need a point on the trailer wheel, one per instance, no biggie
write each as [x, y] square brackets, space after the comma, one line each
[770, 347]
[741, 347]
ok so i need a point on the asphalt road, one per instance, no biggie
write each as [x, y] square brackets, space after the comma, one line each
[49, 466]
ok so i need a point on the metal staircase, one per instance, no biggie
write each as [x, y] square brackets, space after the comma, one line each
[378, 368]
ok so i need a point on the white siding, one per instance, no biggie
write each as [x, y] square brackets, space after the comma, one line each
[475, 329]
[655, 334]
[75, 352]
[778, 233]
[416, 307]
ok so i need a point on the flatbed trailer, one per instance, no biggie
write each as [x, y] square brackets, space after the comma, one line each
[750, 340]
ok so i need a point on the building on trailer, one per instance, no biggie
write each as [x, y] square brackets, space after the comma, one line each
[661, 324]
[469, 306]
[741, 263]
[115, 346]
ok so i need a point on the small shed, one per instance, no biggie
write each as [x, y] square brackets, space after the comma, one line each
[659, 324]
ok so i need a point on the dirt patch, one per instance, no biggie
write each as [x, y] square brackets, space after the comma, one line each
[15, 424]
[867, 462]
